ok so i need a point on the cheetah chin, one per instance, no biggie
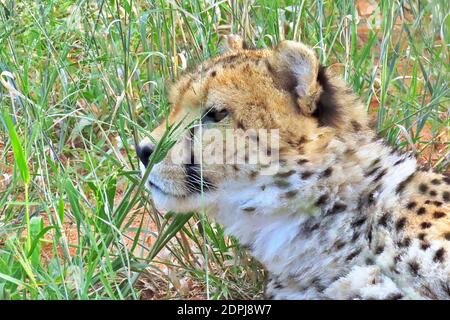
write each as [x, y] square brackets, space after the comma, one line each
[344, 216]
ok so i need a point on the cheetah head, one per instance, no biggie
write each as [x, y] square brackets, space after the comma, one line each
[243, 93]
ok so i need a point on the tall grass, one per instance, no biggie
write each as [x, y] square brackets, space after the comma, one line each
[83, 81]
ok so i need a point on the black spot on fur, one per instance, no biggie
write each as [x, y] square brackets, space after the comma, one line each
[436, 182]
[285, 174]
[352, 255]
[322, 200]
[355, 236]
[423, 187]
[399, 161]
[310, 225]
[437, 203]
[394, 296]
[306, 174]
[404, 183]
[213, 74]
[380, 175]
[278, 285]
[317, 285]
[446, 196]
[425, 225]
[302, 161]
[327, 172]
[326, 111]
[371, 172]
[433, 193]
[356, 125]
[240, 125]
[249, 209]
[411, 205]
[424, 245]
[371, 196]
[446, 180]
[282, 183]
[379, 249]
[405, 242]
[438, 214]
[338, 207]
[359, 222]
[421, 236]
[447, 236]
[400, 224]
[227, 60]
[421, 211]
[384, 219]
[290, 194]
[414, 268]
[339, 244]
[369, 236]
[445, 287]
[439, 255]
[375, 162]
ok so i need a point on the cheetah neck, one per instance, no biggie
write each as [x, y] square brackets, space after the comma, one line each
[288, 217]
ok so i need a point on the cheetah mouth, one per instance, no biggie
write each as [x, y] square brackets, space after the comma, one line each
[154, 188]
[177, 201]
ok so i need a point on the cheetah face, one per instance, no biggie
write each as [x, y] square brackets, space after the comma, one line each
[281, 94]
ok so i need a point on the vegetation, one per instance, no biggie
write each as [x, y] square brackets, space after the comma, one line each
[83, 81]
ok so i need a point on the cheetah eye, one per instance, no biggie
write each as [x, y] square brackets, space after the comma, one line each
[213, 115]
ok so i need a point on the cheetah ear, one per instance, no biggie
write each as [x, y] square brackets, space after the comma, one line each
[231, 43]
[295, 68]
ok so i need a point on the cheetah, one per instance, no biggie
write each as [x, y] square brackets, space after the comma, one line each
[345, 216]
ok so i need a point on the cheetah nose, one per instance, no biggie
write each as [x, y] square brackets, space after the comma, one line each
[144, 151]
